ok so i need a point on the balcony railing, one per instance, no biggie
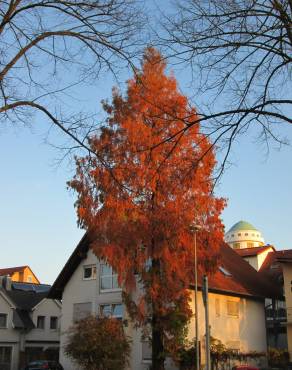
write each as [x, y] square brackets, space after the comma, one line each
[279, 315]
[289, 315]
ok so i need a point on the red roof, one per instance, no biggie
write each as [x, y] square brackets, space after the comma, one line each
[248, 252]
[11, 270]
[284, 255]
[271, 269]
[243, 279]
[233, 275]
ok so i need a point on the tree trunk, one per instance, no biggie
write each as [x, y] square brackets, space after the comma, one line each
[158, 356]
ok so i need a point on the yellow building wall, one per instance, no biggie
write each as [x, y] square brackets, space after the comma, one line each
[245, 331]
[287, 274]
[25, 276]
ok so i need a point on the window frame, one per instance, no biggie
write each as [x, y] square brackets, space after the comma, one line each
[6, 321]
[111, 304]
[44, 326]
[93, 272]
[228, 311]
[112, 275]
[87, 312]
[57, 322]
[146, 360]
[11, 354]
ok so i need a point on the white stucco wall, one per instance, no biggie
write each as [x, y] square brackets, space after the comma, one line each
[47, 308]
[35, 338]
[248, 328]
[79, 290]
[9, 337]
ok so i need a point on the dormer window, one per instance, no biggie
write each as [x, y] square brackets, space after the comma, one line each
[224, 271]
[41, 322]
[89, 272]
[3, 320]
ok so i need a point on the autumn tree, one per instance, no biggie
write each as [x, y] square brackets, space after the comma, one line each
[140, 212]
[49, 49]
[238, 53]
[98, 344]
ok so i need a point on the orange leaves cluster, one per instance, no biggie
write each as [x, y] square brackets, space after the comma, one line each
[97, 343]
[156, 183]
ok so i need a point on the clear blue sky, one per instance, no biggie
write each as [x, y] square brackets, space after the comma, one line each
[38, 223]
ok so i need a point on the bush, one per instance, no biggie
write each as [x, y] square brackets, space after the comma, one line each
[98, 344]
[278, 357]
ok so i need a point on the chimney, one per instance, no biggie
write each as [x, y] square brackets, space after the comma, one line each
[6, 282]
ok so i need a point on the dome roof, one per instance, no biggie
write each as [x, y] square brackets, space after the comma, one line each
[242, 225]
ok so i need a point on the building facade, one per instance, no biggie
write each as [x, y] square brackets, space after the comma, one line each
[21, 274]
[29, 324]
[88, 286]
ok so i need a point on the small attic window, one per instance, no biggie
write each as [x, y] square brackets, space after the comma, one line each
[224, 271]
[239, 234]
[246, 234]
[232, 235]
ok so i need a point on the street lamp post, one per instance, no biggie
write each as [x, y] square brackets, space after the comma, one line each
[195, 229]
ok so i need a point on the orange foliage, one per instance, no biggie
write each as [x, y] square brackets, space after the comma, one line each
[141, 206]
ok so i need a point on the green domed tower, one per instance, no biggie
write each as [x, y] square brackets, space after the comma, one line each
[244, 235]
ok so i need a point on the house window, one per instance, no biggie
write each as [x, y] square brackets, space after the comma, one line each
[146, 351]
[5, 358]
[108, 278]
[89, 272]
[217, 307]
[236, 245]
[41, 322]
[3, 320]
[54, 322]
[29, 279]
[249, 245]
[232, 308]
[112, 310]
[234, 345]
[81, 311]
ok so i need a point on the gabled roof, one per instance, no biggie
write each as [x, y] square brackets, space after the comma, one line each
[240, 278]
[23, 301]
[243, 280]
[73, 262]
[22, 320]
[249, 252]
[284, 255]
[12, 270]
[272, 268]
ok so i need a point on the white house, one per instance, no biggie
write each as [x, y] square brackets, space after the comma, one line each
[236, 298]
[29, 324]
